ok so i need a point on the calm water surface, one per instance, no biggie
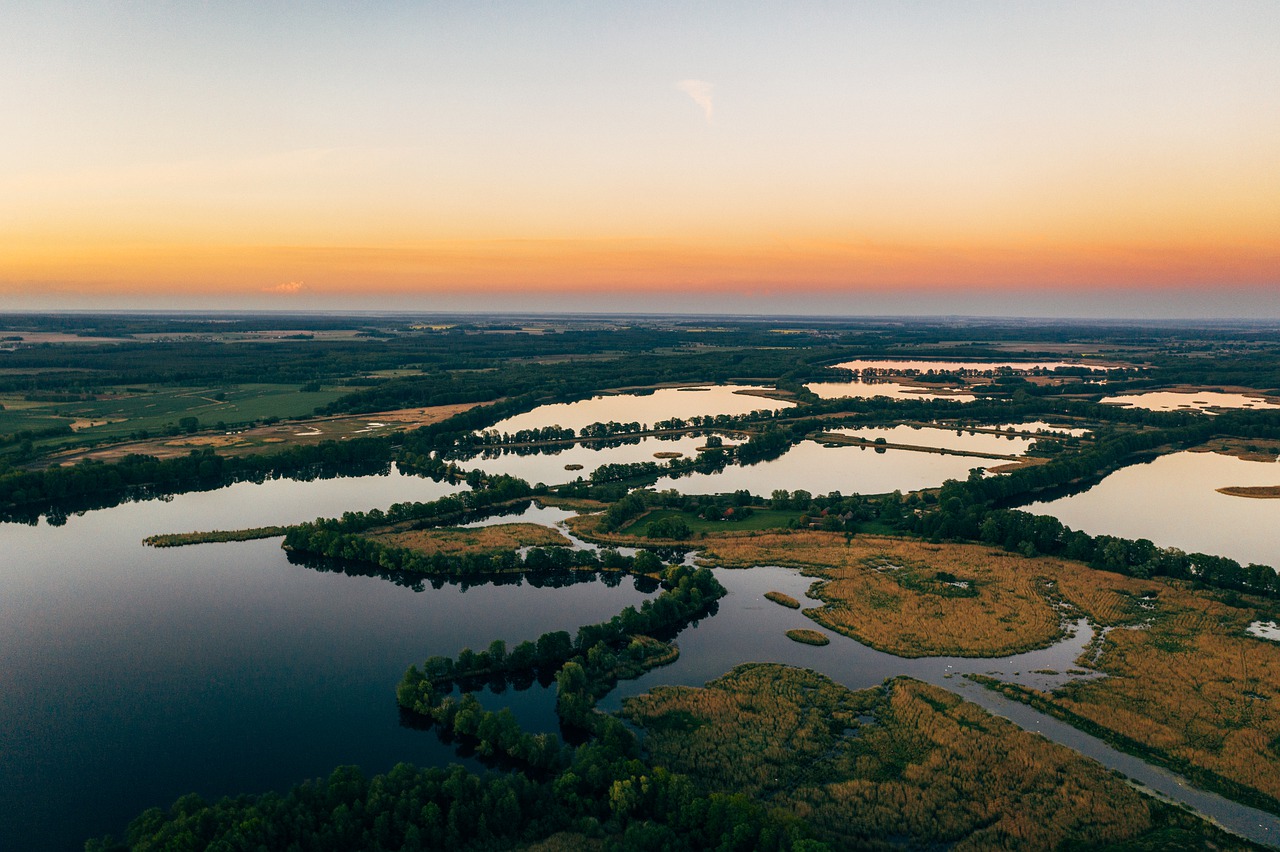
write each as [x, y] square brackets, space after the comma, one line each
[749, 628]
[946, 439]
[893, 366]
[820, 470]
[131, 675]
[867, 389]
[1173, 502]
[548, 465]
[1043, 426]
[662, 404]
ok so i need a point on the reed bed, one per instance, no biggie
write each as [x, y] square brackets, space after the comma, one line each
[492, 539]
[906, 760]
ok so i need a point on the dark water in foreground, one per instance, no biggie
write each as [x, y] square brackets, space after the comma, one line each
[130, 676]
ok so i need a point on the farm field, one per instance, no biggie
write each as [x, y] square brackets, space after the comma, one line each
[274, 437]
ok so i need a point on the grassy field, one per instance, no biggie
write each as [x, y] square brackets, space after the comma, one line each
[493, 539]
[120, 412]
[270, 438]
[908, 761]
[1257, 492]
[909, 597]
[1186, 683]
[183, 539]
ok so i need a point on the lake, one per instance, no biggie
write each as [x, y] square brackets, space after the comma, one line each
[943, 438]
[819, 469]
[645, 408]
[1173, 502]
[1192, 400]
[869, 388]
[918, 366]
[548, 464]
[131, 675]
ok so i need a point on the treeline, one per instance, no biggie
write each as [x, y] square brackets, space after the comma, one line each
[24, 495]
[976, 510]
[558, 382]
[603, 651]
[604, 797]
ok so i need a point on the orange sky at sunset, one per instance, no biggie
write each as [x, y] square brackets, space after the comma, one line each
[826, 156]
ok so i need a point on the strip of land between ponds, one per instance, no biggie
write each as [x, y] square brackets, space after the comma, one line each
[850, 441]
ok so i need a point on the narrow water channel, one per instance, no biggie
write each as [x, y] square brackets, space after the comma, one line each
[749, 628]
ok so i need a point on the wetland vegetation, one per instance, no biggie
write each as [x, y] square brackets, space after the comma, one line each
[911, 553]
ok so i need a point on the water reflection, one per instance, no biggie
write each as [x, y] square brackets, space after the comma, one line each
[646, 408]
[132, 675]
[820, 469]
[970, 367]
[552, 465]
[869, 388]
[1192, 401]
[1173, 502]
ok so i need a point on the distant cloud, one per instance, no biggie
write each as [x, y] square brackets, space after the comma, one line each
[289, 288]
[700, 91]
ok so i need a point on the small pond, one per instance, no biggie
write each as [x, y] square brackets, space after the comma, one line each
[1205, 401]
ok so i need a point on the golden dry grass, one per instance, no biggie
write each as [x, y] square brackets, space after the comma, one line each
[1185, 679]
[1192, 684]
[909, 760]
[884, 591]
[492, 539]
[808, 637]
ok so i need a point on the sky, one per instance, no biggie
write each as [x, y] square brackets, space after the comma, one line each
[994, 158]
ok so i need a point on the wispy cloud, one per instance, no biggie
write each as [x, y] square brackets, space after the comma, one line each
[700, 91]
[288, 288]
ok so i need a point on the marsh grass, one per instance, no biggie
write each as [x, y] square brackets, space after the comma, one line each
[808, 637]
[493, 539]
[909, 597]
[783, 599]
[930, 768]
[181, 539]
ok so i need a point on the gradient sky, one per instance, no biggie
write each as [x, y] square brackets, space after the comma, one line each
[1030, 158]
